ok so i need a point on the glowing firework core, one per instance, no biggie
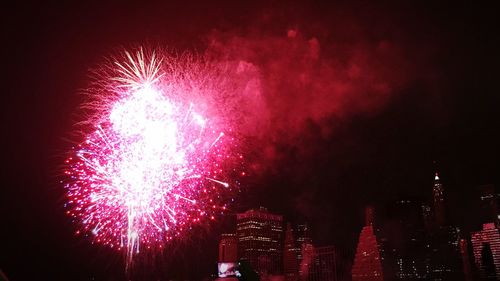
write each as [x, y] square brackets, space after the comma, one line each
[152, 166]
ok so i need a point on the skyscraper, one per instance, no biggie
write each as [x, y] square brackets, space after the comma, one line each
[486, 248]
[290, 256]
[260, 240]
[438, 200]
[443, 240]
[307, 261]
[302, 240]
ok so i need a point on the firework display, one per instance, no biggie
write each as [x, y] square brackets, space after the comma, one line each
[153, 163]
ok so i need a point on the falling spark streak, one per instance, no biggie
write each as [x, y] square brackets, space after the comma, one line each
[225, 184]
[217, 139]
[142, 175]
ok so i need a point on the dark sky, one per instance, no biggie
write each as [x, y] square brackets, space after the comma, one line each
[428, 92]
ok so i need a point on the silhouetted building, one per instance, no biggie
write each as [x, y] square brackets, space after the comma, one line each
[404, 242]
[412, 251]
[486, 248]
[324, 267]
[228, 248]
[428, 217]
[303, 234]
[466, 261]
[489, 204]
[445, 256]
[260, 240]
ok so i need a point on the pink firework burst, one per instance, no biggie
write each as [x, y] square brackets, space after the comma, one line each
[153, 164]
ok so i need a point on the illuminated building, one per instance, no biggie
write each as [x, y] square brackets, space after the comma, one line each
[228, 248]
[290, 256]
[260, 236]
[443, 240]
[303, 238]
[438, 200]
[367, 261]
[486, 249]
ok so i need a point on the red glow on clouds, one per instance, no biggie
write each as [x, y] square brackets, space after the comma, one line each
[160, 153]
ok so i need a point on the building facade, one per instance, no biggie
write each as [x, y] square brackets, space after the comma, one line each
[324, 267]
[486, 249]
[260, 240]
[367, 261]
[290, 256]
[489, 204]
[228, 248]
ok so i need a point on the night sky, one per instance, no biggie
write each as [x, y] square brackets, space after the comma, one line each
[357, 101]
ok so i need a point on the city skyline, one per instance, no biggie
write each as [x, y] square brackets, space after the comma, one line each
[422, 244]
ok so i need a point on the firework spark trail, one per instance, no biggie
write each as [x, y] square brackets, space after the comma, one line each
[151, 167]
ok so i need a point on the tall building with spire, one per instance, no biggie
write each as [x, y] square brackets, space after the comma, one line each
[438, 200]
[445, 256]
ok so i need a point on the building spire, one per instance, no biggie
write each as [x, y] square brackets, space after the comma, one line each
[369, 215]
[438, 198]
